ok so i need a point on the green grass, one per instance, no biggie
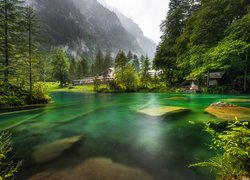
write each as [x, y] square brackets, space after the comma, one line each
[54, 86]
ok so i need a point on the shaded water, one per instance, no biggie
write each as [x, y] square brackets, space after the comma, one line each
[162, 146]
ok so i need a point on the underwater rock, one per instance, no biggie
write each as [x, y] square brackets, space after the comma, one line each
[51, 151]
[167, 110]
[94, 169]
[178, 98]
[228, 111]
[238, 100]
[222, 104]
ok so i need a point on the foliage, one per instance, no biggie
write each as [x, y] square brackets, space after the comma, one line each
[144, 75]
[8, 167]
[15, 96]
[99, 63]
[97, 83]
[232, 147]
[127, 80]
[205, 36]
[60, 65]
[40, 93]
[121, 61]
[11, 34]
[12, 95]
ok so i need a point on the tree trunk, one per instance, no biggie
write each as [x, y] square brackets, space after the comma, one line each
[30, 60]
[6, 43]
[245, 73]
[208, 77]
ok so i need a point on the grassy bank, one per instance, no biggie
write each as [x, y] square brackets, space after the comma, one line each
[55, 87]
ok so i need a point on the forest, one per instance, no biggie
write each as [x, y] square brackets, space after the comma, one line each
[138, 117]
[206, 36]
[199, 37]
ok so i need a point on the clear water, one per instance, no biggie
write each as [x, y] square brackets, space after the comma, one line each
[162, 146]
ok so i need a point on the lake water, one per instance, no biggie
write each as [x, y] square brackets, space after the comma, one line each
[162, 146]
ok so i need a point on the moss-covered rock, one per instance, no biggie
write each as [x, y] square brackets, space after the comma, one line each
[95, 168]
[238, 100]
[228, 111]
[160, 111]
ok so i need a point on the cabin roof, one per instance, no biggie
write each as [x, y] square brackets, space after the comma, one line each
[216, 75]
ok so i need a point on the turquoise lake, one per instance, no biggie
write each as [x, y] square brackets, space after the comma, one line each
[162, 146]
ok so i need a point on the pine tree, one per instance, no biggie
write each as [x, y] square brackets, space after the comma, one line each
[121, 60]
[11, 33]
[145, 77]
[136, 62]
[32, 28]
[99, 60]
[130, 55]
[85, 66]
[107, 61]
[72, 69]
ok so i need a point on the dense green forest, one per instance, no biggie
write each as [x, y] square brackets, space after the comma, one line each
[203, 36]
[199, 37]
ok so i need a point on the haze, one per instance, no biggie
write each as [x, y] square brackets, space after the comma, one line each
[148, 14]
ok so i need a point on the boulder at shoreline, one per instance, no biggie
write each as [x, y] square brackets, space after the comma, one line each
[227, 111]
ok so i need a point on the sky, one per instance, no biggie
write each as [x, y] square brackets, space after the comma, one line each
[148, 14]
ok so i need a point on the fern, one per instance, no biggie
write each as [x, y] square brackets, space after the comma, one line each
[232, 147]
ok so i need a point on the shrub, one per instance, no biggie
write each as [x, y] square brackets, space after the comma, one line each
[232, 147]
[40, 94]
[11, 95]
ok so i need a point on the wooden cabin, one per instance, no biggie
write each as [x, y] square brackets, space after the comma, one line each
[215, 78]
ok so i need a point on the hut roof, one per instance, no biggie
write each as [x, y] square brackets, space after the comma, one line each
[216, 75]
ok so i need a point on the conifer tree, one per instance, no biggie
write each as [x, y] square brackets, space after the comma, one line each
[99, 60]
[130, 55]
[32, 30]
[10, 18]
[145, 77]
[107, 60]
[121, 60]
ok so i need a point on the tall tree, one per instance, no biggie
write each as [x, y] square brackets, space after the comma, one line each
[60, 65]
[130, 55]
[204, 30]
[99, 60]
[72, 69]
[172, 27]
[107, 60]
[136, 62]
[10, 18]
[145, 76]
[121, 60]
[32, 29]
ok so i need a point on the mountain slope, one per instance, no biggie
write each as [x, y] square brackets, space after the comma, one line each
[148, 45]
[81, 26]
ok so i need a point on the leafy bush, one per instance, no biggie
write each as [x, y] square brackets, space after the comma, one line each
[7, 166]
[40, 94]
[11, 95]
[232, 147]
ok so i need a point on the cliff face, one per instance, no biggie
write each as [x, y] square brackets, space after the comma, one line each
[147, 45]
[81, 26]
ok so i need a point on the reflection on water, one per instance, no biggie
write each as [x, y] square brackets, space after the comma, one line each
[162, 146]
